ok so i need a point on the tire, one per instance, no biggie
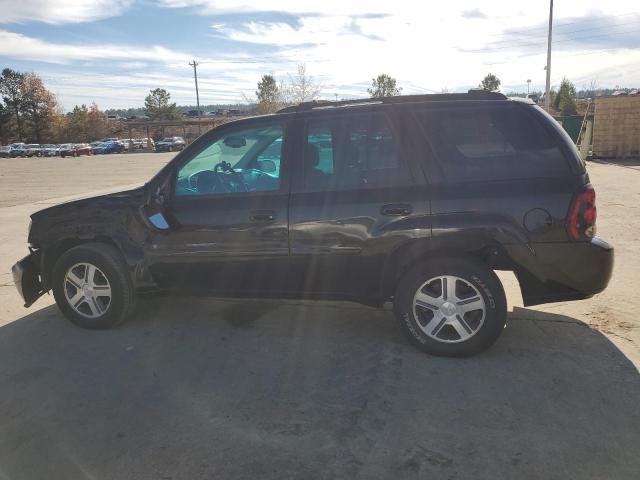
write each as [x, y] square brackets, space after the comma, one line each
[453, 307]
[171, 149]
[98, 314]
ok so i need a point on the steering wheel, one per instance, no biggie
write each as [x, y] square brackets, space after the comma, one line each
[208, 181]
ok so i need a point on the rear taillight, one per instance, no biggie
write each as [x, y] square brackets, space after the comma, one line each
[581, 222]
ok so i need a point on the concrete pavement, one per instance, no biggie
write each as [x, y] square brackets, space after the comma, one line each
[197, 388]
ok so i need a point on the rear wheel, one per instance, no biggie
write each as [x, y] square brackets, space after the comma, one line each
[92, 287]
[451, 307]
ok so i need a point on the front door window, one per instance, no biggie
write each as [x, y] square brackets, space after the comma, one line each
[240, 161]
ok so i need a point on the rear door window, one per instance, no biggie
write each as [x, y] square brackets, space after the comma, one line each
[352, 152]
[483, 143]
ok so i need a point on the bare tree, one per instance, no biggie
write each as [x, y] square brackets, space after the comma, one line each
[303, 87]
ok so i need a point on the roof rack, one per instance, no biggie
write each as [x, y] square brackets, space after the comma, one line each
[473, 94]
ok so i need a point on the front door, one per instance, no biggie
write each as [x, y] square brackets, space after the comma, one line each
[227, 220]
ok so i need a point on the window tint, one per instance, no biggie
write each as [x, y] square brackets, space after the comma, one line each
[240, 161]
[352, 152]
[492, 143]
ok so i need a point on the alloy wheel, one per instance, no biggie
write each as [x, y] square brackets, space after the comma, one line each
[449, 309]
[87, 290]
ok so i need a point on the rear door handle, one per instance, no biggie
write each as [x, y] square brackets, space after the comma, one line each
[396, 210]
[263, 216]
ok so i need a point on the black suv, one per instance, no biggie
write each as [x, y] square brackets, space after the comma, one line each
[414, 199]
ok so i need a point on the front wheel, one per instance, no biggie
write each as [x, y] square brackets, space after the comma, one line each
[92, 287]
[451, 307]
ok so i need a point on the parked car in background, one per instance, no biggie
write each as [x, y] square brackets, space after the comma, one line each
[140, 143]
[5, 150]
[65, 149]
[17, 150]
[32, 150]
[146, 142]
[170, 144]
[75, 149]
[108, 147]
[50, 150]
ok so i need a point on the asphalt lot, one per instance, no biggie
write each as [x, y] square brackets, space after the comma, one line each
[206, 388]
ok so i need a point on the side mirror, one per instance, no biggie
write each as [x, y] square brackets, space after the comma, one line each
[267, 166]
[235, 142]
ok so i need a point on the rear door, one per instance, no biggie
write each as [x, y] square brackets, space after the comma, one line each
[355, 197]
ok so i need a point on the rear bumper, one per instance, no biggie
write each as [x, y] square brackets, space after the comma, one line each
[567, 271]
[26, 277]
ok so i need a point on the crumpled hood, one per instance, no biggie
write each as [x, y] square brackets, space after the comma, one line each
[106, 198]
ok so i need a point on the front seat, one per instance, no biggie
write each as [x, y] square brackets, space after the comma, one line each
[314, 178]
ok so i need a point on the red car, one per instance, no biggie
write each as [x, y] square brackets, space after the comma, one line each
[75, 149]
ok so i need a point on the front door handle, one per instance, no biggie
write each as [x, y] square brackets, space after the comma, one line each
[263, 216]
[396, 210]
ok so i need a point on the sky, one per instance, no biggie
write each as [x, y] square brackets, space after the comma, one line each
[114, 51]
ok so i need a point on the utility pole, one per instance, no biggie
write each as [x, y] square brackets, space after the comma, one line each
[194, 64]
[528, 86]
[336, 97]
[547, 99]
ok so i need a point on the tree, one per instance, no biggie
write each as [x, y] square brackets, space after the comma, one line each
[565, 100]
[157, 105]
[384, 86]
[11, 90]
[39, 106]
[77, 124]
[5, 124]
[96, 123]
[491, 83]
[302, 87]
[268, 95]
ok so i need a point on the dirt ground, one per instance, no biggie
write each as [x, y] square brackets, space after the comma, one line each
[205, 388]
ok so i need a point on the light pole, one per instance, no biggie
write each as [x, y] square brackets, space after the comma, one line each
[547, 100]
[528, 86]
[194, 64]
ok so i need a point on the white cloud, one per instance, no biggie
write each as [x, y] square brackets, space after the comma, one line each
[60, 11]
[22, 47]
[344, 43]
[428, 48]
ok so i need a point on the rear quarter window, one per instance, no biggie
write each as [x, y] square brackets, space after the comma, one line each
[492, 142]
